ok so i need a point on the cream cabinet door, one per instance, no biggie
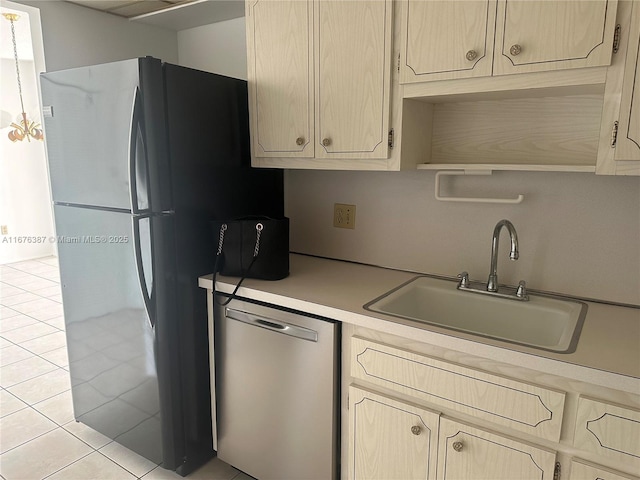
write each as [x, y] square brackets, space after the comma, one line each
[581, 471]
[390, 440]
[280, 66]
[353, 72]
[469, 453]
[445, 40]
[541, 35]
[628, 141]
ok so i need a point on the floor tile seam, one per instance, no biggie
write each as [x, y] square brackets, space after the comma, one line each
[38, 376]
[21, 326]
[26, 301]
[34, 406]
[41, 321]
[4, 306]
[31, 325]
[40, 356]
[26, 405]
[68, 465]
[122, 466]
[35, 355]
[35, 274]
[16, 361]
[47, 318]
[46, 351]
[83, 441]
[31, 439]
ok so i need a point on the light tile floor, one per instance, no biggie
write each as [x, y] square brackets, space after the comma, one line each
[39, 437]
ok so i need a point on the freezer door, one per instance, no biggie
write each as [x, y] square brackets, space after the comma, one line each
[110, 334]
[95, 136]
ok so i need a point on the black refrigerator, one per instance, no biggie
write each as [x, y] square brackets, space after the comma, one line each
[143, 155]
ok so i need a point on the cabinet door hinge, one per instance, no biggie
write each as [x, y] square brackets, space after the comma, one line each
[398, 63]
[556, 471]
[614, 134]
[391, 138]
[616, 39]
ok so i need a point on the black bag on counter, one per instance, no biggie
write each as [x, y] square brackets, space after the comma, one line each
[252, 247]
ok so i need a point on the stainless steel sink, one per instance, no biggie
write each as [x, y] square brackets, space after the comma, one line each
[544, 322]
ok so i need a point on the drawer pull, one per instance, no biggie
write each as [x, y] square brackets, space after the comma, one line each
[299, 141]
[458, 446]
[471, 55]
[515, 49]
[416, 430]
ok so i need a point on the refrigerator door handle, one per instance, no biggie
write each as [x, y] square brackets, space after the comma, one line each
[137, 159]
[137, 250]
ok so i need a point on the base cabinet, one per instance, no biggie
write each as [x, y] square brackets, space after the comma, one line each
[395, 440]
[391, 440]
[417, 411]
[469, 453]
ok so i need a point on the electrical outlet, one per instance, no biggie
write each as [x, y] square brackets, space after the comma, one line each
[4, 229]
[344, 216]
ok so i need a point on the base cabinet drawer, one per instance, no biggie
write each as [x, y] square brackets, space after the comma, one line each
[517, 405]
[581, 471]
[608, 430]
[470, 453]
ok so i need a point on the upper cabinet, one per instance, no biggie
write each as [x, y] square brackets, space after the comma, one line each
[280, 39]
[619, 148]
[536, 36]
[627, 141]
[448, 39]
[319, 81]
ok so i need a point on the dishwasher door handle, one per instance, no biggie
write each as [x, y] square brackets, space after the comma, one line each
[273, 325]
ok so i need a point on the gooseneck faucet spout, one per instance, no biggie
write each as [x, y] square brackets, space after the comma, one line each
[492, 283]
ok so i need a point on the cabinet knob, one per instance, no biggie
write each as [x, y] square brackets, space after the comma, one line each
[326, 142]
[458, 446]
[471, 55]
[416, 430]
[299, 141]
[515, 49]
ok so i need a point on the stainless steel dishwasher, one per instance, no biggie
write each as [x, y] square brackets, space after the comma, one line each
[277, 392]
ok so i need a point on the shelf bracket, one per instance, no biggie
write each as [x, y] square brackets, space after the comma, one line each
[448, 173]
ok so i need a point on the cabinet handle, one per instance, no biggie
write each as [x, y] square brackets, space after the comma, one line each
[326, 142]
[458, 446]
[416, 430]
[471, 55]
[515, 49]
[299, 141]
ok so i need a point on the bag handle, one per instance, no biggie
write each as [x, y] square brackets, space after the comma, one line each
[256, 251]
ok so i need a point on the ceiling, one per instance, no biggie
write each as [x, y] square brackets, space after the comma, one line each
[171, 14]
[129, 8]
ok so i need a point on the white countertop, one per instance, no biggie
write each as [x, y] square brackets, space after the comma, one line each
[608, 351]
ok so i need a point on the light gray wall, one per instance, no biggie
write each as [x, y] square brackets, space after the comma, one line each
[76, 36]
[579, 234]
[218, 48]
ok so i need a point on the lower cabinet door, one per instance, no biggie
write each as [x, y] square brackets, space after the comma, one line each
[470, 453]
[390, 440]
[581, 471]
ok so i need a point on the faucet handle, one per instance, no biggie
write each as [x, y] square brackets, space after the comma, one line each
[522, 289]
[464, 280]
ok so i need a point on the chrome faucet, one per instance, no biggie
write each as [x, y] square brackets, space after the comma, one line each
[491, 287]
[492, 283]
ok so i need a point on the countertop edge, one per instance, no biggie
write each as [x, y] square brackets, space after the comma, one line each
[537, 361]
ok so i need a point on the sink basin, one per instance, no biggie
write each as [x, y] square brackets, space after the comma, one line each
[544, 322]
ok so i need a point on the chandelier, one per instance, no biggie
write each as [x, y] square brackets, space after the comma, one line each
[25, 128]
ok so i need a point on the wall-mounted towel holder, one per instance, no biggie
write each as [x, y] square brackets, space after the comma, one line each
[447, 173]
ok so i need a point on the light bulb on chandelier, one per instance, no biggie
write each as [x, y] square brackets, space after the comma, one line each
[25, 128]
